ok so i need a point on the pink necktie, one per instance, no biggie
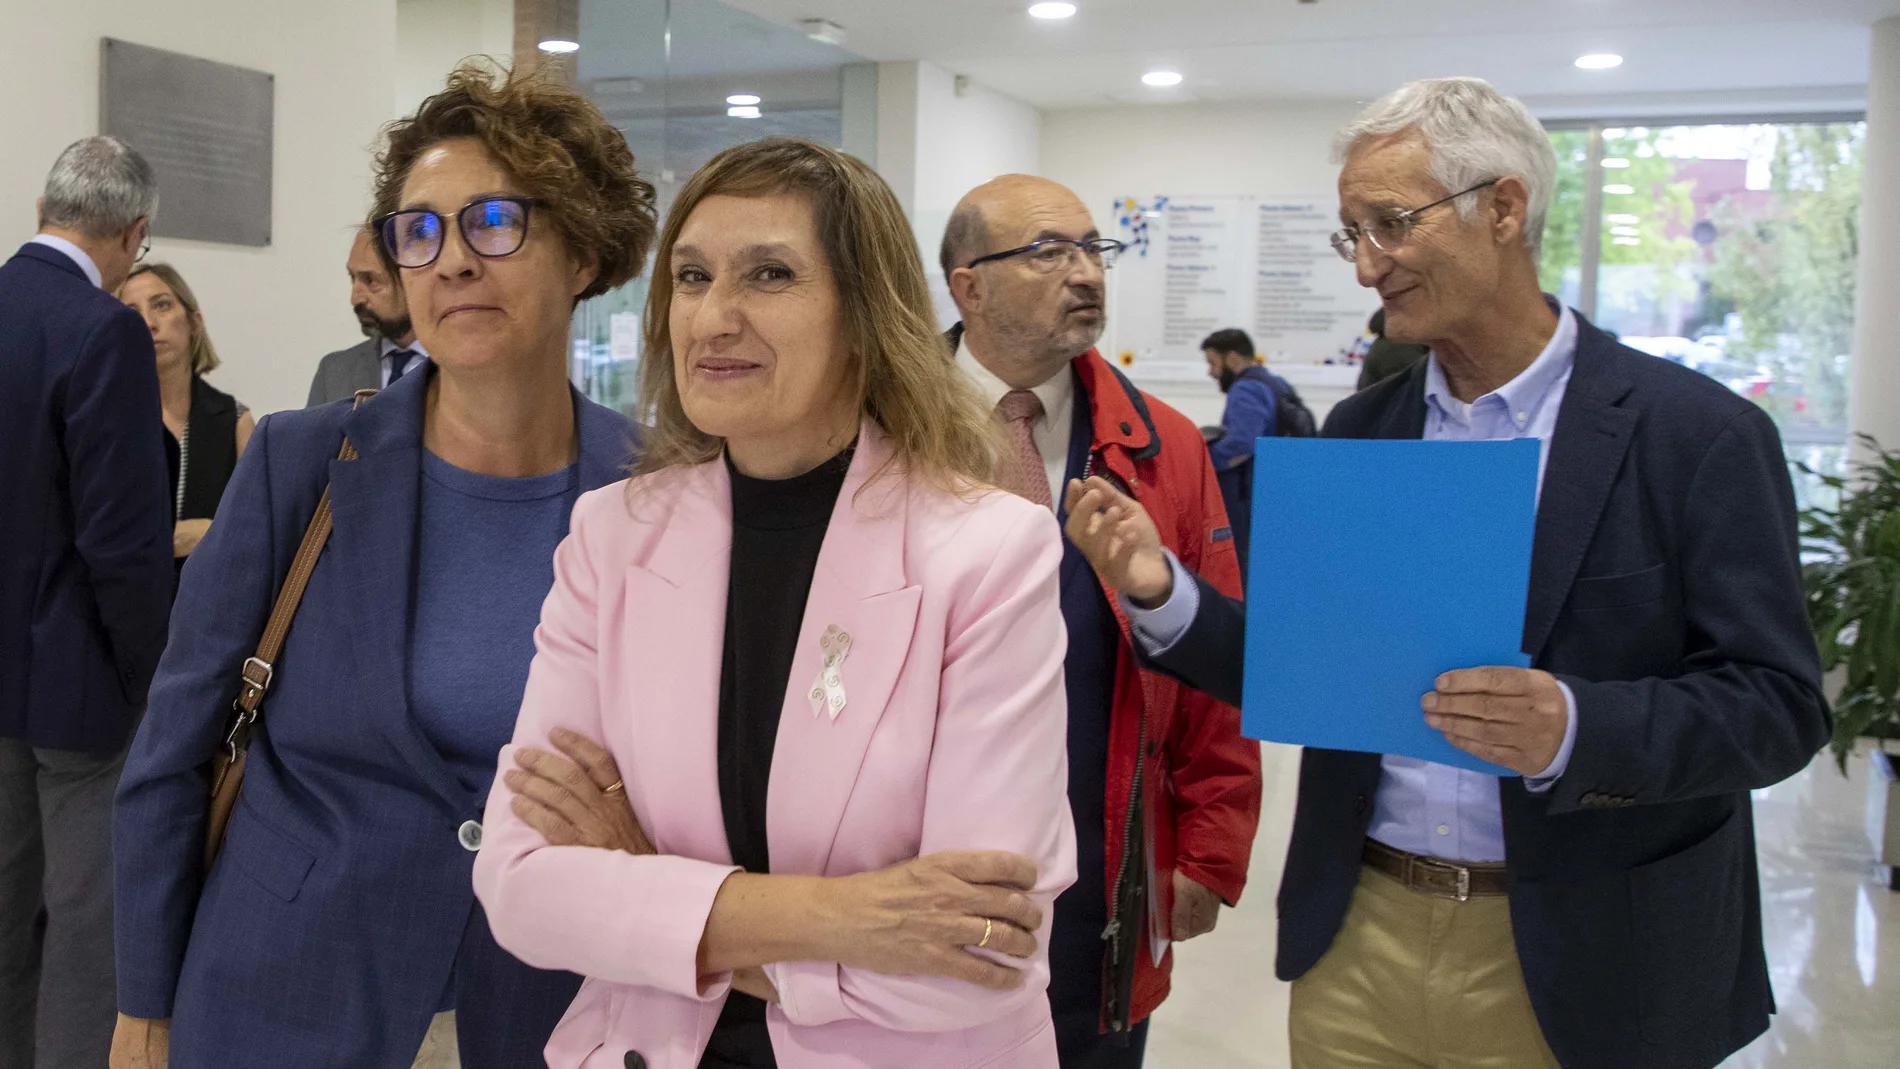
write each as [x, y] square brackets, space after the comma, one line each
[1021, 471]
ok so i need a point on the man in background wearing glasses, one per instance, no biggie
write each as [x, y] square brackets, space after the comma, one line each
[1601, 908]
[1166, 792]
[85, 591]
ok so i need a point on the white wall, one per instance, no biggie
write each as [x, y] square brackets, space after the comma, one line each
[934, 146]
[273, 312]
[432, 36]
[1198, 149]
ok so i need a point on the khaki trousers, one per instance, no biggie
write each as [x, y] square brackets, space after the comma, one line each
[440, 1048]
[1417, 982]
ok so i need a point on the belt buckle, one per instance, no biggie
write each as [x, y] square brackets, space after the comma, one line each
[1460, 889]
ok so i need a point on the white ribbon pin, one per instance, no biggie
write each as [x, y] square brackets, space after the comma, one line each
[827, 692]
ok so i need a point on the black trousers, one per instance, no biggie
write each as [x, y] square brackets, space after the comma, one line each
[58, 1003]
[1080, 1046]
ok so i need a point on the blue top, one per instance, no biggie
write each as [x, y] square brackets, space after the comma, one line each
[1252, 412]
[486, 564]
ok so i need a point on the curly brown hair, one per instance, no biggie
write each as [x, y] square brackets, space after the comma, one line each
[555, 142]
[902, 369]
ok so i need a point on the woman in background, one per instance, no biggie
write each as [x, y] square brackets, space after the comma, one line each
[206, 429]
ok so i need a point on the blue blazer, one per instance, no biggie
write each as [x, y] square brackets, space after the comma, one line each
[1666, 591]
[86, 534]
[330, 930]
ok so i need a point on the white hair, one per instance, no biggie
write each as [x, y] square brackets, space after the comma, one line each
[1475, 134]
[99, 186]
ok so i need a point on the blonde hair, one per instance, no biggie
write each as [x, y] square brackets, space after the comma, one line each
[902, 369]
[204, 358]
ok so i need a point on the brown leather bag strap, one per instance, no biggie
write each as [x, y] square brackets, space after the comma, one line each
[259, 670]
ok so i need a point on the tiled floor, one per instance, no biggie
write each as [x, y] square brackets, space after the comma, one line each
[1833, 931]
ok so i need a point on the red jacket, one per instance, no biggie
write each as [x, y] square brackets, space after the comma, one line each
[1200, 779]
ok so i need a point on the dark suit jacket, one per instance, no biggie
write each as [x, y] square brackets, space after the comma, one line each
[326, 934]
[86, 534]
[1666, 591]
[342, 373]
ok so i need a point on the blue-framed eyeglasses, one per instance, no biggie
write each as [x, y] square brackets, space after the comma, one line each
[1056, 254]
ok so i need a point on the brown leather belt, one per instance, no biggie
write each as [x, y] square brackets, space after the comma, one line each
[1431, 876]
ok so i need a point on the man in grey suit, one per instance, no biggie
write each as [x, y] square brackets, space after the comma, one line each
[391, 351]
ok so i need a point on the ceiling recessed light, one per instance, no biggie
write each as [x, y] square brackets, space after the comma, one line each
[742, 99]
[559, 47]
[1051, 11]
[1619, 190]
[1616, 163]
[1161, 79]
[1626, 241]
[743, 111]
[1599, 61]
[1626, 231]
[1624, 220]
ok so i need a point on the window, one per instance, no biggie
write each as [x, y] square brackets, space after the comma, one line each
[1728, 248]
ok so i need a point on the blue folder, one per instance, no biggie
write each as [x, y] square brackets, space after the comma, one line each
[1377, 565]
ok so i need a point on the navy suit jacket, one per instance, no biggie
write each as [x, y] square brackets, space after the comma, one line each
[1666, 591]
[86, 534]
[328, 931]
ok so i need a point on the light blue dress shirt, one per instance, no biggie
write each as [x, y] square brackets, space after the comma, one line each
[1423, 807]
[417, 356]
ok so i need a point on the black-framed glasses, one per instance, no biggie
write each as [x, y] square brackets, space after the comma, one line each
[1388, 232]
[491, 227]
[1058, 254]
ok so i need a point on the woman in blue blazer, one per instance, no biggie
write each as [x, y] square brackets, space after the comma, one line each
[338, 927]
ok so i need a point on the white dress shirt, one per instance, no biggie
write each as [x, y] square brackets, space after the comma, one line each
[1424, 807]
[1050, 431]
[74, 253]
[386, 347]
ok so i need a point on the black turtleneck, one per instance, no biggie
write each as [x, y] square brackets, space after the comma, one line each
[778, 527]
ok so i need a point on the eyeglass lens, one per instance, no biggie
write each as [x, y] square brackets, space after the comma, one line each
[1056, 255]
[1386, 233]
[492, 228]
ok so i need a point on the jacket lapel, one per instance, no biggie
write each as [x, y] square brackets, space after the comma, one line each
[671, 662]
[860, 587]
[607, 443]
[1406, 418]
[375, 499]
[1586, 452]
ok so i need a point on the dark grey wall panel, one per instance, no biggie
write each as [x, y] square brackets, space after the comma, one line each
[207, 130]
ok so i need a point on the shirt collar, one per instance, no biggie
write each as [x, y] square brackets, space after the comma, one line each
[1523, 394]
[75, 254]
[1056, 394]
[385, 347]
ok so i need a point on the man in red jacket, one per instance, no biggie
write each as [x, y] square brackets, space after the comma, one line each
[1166, 792]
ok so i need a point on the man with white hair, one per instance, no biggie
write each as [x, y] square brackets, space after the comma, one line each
[1600, 908]
[85, 590]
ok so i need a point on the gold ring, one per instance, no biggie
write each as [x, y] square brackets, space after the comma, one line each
[612, 787]
[989, 926]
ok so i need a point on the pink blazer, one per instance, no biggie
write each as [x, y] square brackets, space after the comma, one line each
[952, 737]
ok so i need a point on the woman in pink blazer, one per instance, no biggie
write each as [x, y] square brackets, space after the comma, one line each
[807, 670]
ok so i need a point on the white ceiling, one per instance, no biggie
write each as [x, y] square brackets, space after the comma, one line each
[1780, 53]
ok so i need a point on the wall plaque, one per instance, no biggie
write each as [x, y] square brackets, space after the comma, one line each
[205, 127]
